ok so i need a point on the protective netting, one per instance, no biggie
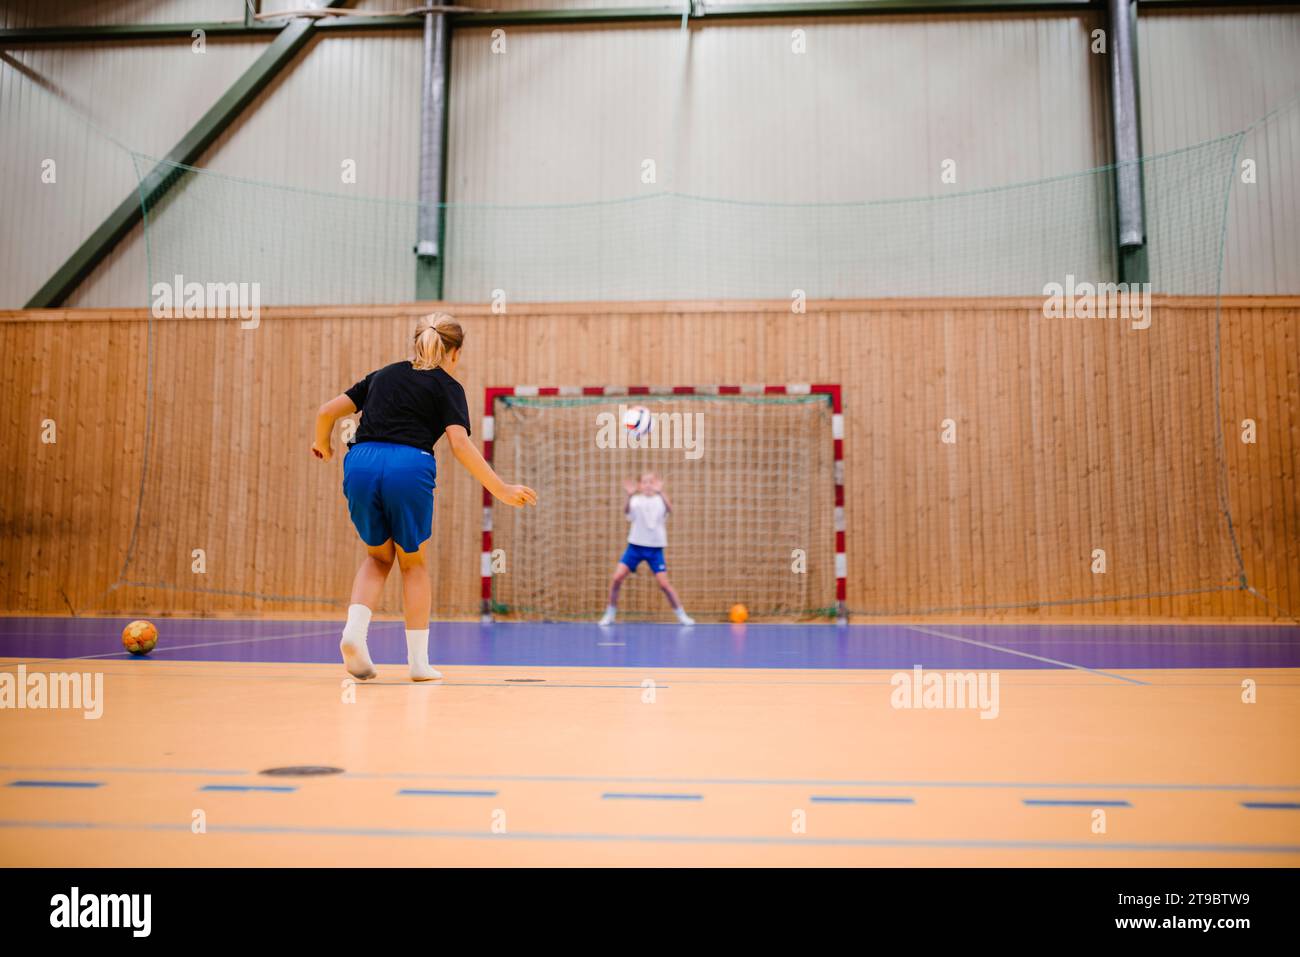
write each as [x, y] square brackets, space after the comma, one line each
[751, 483]
[304, 247]
[1148, 488]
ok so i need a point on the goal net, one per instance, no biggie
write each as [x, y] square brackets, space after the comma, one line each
[751, 474]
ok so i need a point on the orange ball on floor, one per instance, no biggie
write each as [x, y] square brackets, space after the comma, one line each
[739, 614]
[140, 637]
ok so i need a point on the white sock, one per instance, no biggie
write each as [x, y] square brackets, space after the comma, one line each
[356, 656]
[417, 655]
[684, 618]
[358, 625]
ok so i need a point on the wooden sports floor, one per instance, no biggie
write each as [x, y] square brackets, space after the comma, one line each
[545, 744]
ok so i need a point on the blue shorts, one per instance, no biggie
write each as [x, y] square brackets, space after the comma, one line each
[636, 554]
[389, 489]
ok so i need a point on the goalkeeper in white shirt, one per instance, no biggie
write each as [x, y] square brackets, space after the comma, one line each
[647, 508]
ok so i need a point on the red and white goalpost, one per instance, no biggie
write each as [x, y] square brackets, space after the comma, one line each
[755, 474]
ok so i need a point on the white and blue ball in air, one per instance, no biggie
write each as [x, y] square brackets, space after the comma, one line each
[638, 421]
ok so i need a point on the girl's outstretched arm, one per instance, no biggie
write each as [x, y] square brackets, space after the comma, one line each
[326, 416]
[468, 455]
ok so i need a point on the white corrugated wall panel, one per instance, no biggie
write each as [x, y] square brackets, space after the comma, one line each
[870, 111]
[1209, 74]
[347, 97]
[68, 104]
[275, 207]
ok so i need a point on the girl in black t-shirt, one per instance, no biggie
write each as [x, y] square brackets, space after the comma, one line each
[388, 480]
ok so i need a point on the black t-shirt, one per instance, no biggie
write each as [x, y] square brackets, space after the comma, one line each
[408, 406]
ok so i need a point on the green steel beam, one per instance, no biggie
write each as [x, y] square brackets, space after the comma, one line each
[134, 31]
[503, 18]
[1211, 4]
[27, 36]
[171, 31]
[700, 11]
[816, 8]
[203, 134]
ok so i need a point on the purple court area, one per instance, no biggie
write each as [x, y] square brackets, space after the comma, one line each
[892, 646]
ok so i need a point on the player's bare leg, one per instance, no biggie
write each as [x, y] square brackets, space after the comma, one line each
[611, 610]
[417, 596]
[367, 586]
[671, 594]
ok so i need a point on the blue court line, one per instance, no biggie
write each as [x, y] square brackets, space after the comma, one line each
[1022, 654]
[832, 799]
[1271, 806]
[547, 684]
[277, 788]
[1043, 802]
[56, 784]
[419, 792]
[806, 782]
[617, 796]
[747, 782]
[725, 839]
[120, 770]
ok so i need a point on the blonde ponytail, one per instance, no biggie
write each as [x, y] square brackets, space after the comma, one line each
[436, 335]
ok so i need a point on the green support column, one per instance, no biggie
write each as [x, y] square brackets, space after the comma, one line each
[1130, 219]
[431, 227]
[1134, 266]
